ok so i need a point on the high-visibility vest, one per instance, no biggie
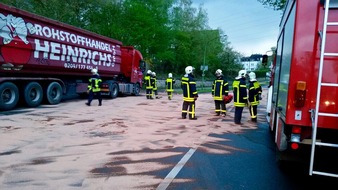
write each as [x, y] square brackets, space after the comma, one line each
[95, 83]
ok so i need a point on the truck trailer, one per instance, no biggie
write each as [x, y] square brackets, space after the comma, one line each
[304, 104]
[43, 60]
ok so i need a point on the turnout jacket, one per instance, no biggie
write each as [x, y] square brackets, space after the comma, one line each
[147, 80]
[170, 84]
[220, 88]
[255, 90]
[188, 85]
[95, 83]
[153, 82]
[240, 93]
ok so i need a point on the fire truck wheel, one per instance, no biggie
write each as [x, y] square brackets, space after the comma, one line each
[54, 93]
[9, 96]
[137, 89]
[33, 94]
[114, 90]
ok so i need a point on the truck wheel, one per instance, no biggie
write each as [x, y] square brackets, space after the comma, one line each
[114, 90]
[136, 89]
[9, 96]
[54, 93]
[33, 94]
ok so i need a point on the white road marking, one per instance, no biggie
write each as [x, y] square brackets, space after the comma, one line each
[172, 174]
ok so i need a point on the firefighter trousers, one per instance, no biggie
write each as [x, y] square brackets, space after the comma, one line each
[149, 93]
[170, 95]
[253, 112]
[238, 114]
[191, 106]
[220, 107]
[92, 95]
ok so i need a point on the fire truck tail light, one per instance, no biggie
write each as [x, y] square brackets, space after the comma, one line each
[300, 94]
[295, 137]
[294, 146]
[296, 129]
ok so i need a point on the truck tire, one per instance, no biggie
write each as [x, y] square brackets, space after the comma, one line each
[114, 90]
[9, 96]
[54, 93]
[33, 94]
[136, 89]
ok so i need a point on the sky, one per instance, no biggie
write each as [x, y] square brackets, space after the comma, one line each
[251, 27]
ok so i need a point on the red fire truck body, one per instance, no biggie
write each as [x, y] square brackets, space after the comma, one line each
[299, 117]
[42, 58]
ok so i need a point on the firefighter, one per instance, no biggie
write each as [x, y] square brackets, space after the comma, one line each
[219, 90]
[255, 91]
[154, 84]
[94, 87]
[149, 87]
[190, 95]
[170, 85]
[240, 95]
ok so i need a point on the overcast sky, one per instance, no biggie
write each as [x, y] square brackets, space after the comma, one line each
[251, 27]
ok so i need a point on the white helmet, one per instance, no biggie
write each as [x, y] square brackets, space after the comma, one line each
[189, 69]
[241, 74]
[252, 76]
[218, 72]
[149, 72]
[94, 71]
[170, 75]
[154, 74]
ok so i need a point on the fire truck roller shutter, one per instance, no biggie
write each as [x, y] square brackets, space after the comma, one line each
[9, 96]
[33, 94]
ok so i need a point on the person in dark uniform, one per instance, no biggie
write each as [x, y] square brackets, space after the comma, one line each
[220, 89]
[94, 87]
[255, 91]
[190, 94]
[240, 95]
[170, 85]
[154, 84]
[149, 86]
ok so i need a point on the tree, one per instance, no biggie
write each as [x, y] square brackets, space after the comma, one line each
[275, 4]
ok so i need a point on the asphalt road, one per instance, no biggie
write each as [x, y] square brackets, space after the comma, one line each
[243, 160]
[250, 165]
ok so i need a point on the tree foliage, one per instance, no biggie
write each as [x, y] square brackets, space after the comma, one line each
[171, 34]
[275, 4]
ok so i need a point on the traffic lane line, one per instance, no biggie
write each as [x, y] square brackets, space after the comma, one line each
[173, 173]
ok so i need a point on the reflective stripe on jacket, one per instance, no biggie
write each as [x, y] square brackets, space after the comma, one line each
[188, 86]
[147, 79]
[95, 83]
[253, 94]
[220, 88]
[240, 93]
[154, 82]
[169, 84]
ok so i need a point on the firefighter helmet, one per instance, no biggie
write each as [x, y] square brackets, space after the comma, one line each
[94, 71]
[189, 70]
[154, 74]
[241, 74]
[170, 75]
[149, 72]
[218, 72]
[252, 76]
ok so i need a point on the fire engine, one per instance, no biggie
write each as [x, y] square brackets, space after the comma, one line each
[304, 92]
